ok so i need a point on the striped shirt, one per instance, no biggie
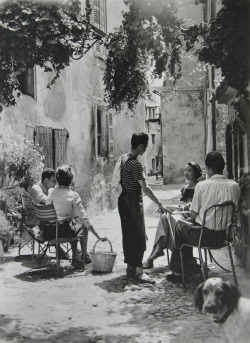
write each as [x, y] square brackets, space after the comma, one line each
[131, 173]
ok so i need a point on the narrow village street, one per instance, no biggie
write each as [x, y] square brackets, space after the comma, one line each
[91, 307]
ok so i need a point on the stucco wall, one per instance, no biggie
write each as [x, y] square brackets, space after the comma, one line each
[69, 105]
[183, 134]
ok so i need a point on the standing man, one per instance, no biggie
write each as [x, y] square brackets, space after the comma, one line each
[215, 190]
[130, 206]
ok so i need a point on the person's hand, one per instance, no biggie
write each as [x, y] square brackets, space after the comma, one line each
[161, 207]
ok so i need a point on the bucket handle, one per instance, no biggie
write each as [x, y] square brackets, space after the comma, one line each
[111, 249]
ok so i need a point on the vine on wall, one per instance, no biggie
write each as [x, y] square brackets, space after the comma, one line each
[44, 33]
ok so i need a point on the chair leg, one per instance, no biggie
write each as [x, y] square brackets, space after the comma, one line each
[83, 246]
[205, 266]
[182, 270]
[167, 255]
[202, 264]
[33, 249]
[232, 264]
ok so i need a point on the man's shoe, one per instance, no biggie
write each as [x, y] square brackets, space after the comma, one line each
[62, 255]
[144, 278]
[77, 262]
[148, 264]
[174, 278]
[192, 268]
[130, 271]
[87, 259]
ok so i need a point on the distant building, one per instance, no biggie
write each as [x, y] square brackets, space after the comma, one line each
[195, 120]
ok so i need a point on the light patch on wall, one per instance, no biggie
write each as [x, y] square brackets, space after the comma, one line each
[55, 102]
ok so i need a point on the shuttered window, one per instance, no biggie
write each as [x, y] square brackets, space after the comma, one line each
[54, 144]
[104, 139]
[111, 134]
[99, 14]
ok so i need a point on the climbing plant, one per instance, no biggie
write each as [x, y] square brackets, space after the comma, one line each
[21, 161]
[45, 33]
[149, 31]
[224, 43]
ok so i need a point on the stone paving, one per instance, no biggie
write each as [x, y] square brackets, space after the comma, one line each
[91, 307]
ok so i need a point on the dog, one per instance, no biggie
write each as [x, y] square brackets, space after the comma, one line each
[223, 300]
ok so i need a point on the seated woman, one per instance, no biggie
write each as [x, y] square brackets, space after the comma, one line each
[192, 173]
[68, 206]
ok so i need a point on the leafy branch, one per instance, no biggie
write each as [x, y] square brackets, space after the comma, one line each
[44, 33]
[224, 43]
[149, 31]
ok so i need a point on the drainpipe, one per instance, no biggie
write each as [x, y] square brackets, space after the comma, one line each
[213, 107]
[213, 14]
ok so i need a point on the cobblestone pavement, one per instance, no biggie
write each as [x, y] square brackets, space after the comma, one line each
[91, 307]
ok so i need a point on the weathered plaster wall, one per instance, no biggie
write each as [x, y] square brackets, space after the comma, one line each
[69, 105]
[183, 134]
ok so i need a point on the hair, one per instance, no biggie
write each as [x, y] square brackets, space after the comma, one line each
[139, 138]
[47, 173]
[64, 175]
[215, 161]
[196, 168]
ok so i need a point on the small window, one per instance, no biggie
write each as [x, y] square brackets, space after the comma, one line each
[27, 82]
[99, 131]
[104, 139]
[153, 138]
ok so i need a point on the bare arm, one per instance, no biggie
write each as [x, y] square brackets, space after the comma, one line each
[193, 215]
[148, 191]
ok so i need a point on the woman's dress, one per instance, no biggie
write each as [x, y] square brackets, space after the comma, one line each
[163, 225]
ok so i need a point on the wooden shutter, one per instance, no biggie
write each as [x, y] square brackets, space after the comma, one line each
[110, 134]
[43, 136]
[61, 137]
[99, 14]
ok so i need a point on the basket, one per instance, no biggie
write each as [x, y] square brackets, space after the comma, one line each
[103, 261]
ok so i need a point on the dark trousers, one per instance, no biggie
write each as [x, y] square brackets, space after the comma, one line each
[133, 237]
[185, 234]
[64, 231]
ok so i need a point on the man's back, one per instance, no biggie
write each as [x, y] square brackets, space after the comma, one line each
[216, 190]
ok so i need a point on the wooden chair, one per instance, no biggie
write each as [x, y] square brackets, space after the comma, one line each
[48, 217]
[222, 216]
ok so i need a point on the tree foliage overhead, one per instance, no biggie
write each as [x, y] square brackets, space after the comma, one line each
[225, 43]
[37, 32]
[150, 29]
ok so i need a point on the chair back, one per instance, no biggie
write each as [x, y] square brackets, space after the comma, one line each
[45, 213]
[25, 201]
[219, 217]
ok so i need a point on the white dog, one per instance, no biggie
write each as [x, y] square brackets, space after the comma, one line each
[229, 309]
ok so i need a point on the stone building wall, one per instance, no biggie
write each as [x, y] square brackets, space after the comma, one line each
[70, 104]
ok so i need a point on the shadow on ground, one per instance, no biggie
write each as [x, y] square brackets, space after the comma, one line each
[10, 328]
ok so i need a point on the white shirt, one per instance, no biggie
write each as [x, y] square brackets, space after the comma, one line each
[215, 190]
[68, 205]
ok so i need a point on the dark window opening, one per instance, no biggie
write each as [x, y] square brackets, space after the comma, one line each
[27, 82]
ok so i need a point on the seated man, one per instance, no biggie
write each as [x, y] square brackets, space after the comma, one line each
[39, 194]
[68, 206]
[216, 189]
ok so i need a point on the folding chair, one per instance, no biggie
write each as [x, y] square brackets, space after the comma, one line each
[24, 228]
[222, 215]
[48, 217]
